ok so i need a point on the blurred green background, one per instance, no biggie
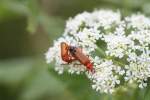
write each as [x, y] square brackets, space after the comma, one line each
[27, 29]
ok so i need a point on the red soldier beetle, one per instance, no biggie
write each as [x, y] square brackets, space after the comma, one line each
[72, 53]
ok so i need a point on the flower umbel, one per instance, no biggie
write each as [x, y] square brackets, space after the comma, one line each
[119, 48]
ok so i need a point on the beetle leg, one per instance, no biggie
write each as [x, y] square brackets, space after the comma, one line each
[66, 63]
[76, 64]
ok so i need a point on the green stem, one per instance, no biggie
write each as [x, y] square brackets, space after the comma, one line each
[102, 53]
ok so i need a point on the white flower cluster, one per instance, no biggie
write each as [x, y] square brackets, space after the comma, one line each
[106, 76]
[119, 48]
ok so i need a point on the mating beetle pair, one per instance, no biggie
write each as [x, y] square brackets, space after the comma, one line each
[72, 53]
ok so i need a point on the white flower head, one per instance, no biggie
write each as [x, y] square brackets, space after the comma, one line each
[118, 48]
